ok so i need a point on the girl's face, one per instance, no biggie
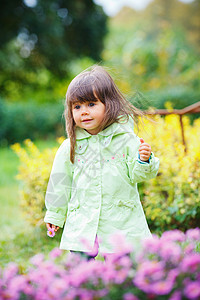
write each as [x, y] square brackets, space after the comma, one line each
[89, 115]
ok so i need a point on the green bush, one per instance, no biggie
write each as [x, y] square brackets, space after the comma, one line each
[20, 121]
[178, 96]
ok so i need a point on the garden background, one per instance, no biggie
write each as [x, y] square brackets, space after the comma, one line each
[153, 55]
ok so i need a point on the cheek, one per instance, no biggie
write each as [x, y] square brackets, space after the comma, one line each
[75, 117]
[103, 113]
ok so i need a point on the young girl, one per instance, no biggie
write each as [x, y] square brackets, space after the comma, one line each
[93, 182]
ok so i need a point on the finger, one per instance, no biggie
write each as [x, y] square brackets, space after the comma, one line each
[144, 157]
[48, 225]
[144, 149]
[145, 145]
[141, 141]
[53, 227]
[147, 153]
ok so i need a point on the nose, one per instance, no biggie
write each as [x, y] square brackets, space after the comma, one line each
[84, 110]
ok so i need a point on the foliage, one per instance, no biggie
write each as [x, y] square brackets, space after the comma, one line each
[172, 199]
[160, 13]
[162, 64]
[166, 268]
[183, 14]
[21, 241]
[37, 36]
[30, 120]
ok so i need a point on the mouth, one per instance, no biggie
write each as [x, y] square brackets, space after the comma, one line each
[86, 120]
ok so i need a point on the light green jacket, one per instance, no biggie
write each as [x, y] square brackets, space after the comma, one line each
[98, 195]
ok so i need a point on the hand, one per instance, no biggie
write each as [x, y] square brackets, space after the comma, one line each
[49, 226]
[144, 150]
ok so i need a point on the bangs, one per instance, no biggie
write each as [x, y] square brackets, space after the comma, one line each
[82, 89]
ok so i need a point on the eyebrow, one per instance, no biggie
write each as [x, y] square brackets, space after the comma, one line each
[76, 103]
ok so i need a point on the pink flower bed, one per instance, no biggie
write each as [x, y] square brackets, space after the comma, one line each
[166, 268]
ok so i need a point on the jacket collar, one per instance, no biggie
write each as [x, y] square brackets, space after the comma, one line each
[114, 129]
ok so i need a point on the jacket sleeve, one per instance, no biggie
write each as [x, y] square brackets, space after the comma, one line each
[59, 187]
[140, 171]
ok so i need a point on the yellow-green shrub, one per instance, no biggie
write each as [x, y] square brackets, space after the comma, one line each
[171, 200]
[34, 172]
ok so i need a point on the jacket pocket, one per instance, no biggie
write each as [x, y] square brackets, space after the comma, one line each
[125, 203]
[72, 206]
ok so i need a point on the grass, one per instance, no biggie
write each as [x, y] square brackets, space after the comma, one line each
[8, 167]
[18, 240]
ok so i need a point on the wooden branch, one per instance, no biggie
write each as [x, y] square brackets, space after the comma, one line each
[191, 109]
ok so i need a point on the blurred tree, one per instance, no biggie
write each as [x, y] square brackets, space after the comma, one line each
[193, 25]
[44, 36]
[174, 12]
[54, 30]
[161, 13]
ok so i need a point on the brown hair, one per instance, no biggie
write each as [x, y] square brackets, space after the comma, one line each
[90, 85]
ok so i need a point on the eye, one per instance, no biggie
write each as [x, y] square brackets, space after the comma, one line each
[77, 106]
[91, 104]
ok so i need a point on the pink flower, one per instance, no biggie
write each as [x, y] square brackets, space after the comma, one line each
[57, 287]
[10, 271]
[189, 248]
[56, 252]
[37, 259]
[51, 232]
[129, 296]
[153, 269]
[191, 263]
[17, 285]
[193, 234]
[162, 287]
[172, 275]
[192, 290]
[152, 244]
[173, 235]
[176, 296]
[170, 252]
[148, 273]
[72, 260]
